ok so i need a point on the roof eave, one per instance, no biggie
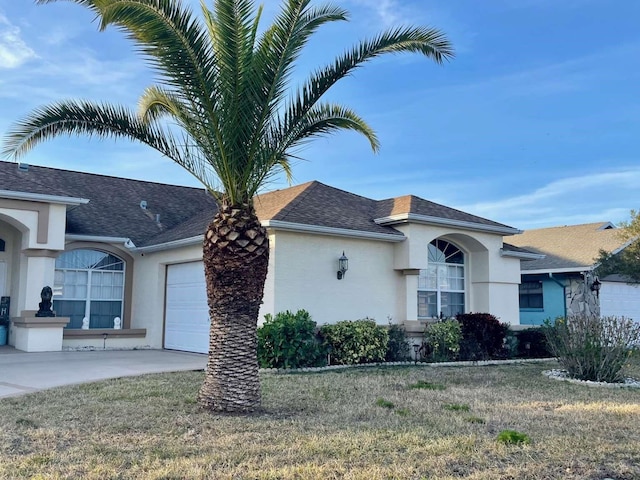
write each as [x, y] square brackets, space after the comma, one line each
[42, 198]
[341, 232]
[578, 269]
[522, 255]
[183, 242]
[430, 220]
[126, 241]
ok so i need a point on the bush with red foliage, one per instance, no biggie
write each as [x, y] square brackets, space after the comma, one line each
[482, 336]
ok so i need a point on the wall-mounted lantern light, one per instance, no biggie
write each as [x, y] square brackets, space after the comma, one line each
[343, 266]
[595, 287]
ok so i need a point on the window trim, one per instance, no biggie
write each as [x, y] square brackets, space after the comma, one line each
[438, 290]
[128, 273]
[520, 295]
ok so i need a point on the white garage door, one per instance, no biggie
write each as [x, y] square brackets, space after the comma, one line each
[187, 315]
[620, 299]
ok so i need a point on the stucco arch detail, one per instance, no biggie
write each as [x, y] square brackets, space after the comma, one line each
[466, 243]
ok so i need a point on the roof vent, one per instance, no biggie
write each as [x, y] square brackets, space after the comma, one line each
[143, 204]
[23, 167]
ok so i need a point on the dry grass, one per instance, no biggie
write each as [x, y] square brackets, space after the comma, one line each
[329, 425]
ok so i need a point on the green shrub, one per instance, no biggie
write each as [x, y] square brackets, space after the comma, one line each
[513, 437]
[442, 340]
[354, 342]
[381, 402]
[289, 340]
[532, 343]
[482, 336]
[591, 347]
[397, 345]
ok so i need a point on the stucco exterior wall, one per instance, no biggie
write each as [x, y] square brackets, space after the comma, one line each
[38, 233]
[42, 225]
[491, 280]
[304, 275]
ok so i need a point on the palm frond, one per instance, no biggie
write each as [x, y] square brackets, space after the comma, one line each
[226, 86]
[171, 38]
[428, 41]
[80, 118]
[278, 49]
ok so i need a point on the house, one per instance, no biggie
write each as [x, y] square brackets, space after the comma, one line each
[561, 283]
[112, 247]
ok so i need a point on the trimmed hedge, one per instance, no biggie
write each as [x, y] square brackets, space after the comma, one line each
[354, 342]
[289, 340]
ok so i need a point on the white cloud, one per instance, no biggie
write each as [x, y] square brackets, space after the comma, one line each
[389, 12]
[605, 196]
[13, 50]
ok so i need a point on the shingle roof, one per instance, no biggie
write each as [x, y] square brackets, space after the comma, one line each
[114, 206]
[114, 203]
[420, 206]
[568, 247]
[512, 248]
[315, 203]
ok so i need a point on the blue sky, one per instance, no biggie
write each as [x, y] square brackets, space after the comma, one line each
[534, 123]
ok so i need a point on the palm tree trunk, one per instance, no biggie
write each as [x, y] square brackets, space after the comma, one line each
[236, 254]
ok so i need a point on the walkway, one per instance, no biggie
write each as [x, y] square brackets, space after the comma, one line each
[22, 372]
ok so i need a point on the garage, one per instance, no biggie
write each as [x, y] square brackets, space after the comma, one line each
[186, 313]
[620, 299]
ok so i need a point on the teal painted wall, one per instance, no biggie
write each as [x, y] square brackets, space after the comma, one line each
[552, 299]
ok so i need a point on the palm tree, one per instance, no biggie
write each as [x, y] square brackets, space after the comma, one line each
[227, 88]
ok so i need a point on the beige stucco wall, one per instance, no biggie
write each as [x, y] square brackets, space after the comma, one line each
[37, 232]
[303, 272]
[381, 281]
[491, 280]
[42, 225]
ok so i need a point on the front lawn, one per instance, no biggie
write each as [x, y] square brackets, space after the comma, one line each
[368, 423]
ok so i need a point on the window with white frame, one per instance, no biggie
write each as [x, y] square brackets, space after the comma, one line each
[441, 285]
[89, 283]
[531, 295]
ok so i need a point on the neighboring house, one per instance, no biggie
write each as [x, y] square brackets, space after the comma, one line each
[112, 247]
[560, 283]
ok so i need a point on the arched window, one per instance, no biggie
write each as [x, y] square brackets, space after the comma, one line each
[441, 285]
[2, 245]
[89, 283]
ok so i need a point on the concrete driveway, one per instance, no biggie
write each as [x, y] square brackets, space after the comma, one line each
[22, 372]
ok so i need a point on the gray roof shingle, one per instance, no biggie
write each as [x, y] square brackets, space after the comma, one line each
[420, 206]
[568, 247]
[114, 203]
[114, 206]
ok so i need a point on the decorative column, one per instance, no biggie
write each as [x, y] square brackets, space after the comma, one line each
[30, 332]
[39, 273]
[412, 325]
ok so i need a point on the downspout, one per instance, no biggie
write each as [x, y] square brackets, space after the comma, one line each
[564, 292]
